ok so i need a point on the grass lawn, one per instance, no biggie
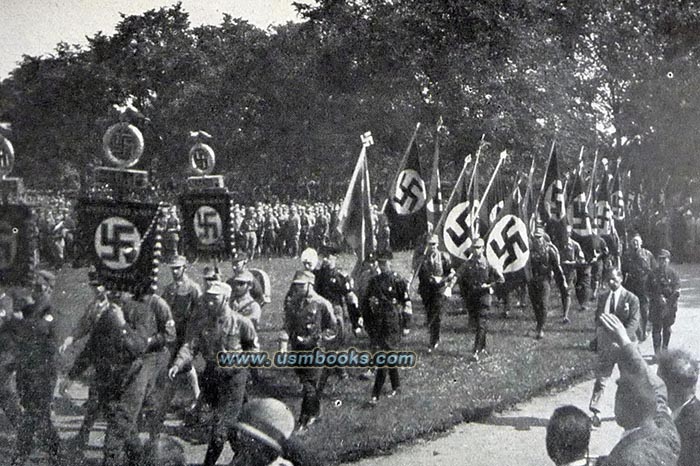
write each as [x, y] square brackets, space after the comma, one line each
[442, 390]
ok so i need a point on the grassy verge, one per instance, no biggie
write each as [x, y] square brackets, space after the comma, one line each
[442, 390]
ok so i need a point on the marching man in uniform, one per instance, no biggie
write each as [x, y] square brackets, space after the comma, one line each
[222, 387]
[390, 313]
[572, 259]
[307, 318]
[476, 280]
[183, 296]
[664, 290]
[434, 275]
[637, 264]
[544, 261]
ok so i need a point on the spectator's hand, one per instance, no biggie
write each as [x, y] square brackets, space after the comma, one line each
[612, 324]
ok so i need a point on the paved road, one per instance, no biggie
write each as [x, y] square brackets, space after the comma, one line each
[517, 436]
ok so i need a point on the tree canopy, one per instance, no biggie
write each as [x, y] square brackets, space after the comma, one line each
[286, 106]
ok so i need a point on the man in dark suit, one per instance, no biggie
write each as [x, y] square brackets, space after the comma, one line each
[650, 437]
[679, 370]
[625, 305]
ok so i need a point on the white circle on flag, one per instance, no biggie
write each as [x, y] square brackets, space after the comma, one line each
[409, 195]
[117, 243]
[508, 247]
[8, 245]
[459, 230]
[207, 225]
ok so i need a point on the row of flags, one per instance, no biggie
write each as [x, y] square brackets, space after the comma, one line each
[503, 214]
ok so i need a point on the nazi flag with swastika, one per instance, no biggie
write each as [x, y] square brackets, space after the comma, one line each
[406, 204]
[206, 224]
[508, 242]
[18, 243]
[120, 238]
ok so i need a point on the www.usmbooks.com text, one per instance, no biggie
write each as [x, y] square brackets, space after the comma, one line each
[316, 358]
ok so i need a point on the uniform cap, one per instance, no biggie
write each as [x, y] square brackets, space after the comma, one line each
[268, 420]
[385, 255]
[433, 239]
[304, 277]
[239, 257]
[177, 261]
[664, 253]
[45, 277]
[244, 277]
[210, 274]
[217, 288]
[330, 250]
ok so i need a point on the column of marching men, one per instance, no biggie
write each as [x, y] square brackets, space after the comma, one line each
[137, 345]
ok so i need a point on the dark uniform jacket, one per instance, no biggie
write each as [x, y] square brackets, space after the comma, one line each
[474, 273]
[544, 261]
[306, 318]
[636, 267]
[431, 273]
[332, 284]
[183, 299]
[664, 287]
[386, 304]
[228, 332]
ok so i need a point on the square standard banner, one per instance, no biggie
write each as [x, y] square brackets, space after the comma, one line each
[120, 238]
[206, 224]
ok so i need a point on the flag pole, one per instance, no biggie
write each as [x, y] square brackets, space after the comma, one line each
[443, 216]
[458, 183]
[503, 156]
[544, 178]
[592, 183]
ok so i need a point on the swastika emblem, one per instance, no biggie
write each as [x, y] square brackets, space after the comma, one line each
[117, 243]
[8, 245]
[409, 195]
[618, 205]
[207, 225]
[461, 227]
[507, 247]
[202, 158]
[554, 201]
[122, 143]
[603, 217]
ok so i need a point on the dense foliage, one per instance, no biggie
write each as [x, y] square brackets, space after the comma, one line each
[286, 106]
